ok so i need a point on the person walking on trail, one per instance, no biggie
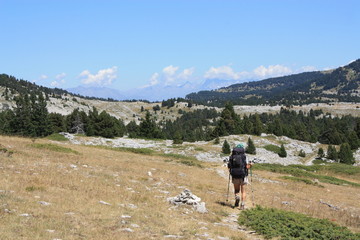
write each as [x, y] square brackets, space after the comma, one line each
[238, 168]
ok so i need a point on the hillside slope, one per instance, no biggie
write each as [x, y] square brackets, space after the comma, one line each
[341, 84]
[57, 190]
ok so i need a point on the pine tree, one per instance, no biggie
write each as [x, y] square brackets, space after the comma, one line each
[321, 153]
[258, 128]
[345, 154]
[177, 138]
[332, 153]
[282, 153]
[217, 140]
[353, 140]
[132, 129]
[226, 148]
[250, 147]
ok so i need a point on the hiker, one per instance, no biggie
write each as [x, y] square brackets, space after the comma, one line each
[238, 168]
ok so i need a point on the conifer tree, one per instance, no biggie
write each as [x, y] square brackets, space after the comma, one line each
[226, 148]
[353, 140]
[177, 138]
[282, 153]
[332, 153]
[345, 154]
[250, 147]
[258, 128]
[320, 153]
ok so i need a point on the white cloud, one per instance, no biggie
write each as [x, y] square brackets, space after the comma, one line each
[223, 72]
[54, 84]
[60, 76]
[186, 74]
[261, 72]
[154, 79]
[272, 71]
[169, 76]
[101, 78]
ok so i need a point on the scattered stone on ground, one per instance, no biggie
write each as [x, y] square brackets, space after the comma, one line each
[44, 203]
[187, 198]
[330, 205]
[105, 203]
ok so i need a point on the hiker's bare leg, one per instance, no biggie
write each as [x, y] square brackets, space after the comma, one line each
[243, 193]
[237, 197]
[243, 197]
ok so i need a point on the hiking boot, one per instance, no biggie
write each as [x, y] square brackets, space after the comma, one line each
[242, 206]
[237, 200]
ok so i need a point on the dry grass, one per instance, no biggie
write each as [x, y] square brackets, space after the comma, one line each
[74, 185]
[74, 182]
[305, 198]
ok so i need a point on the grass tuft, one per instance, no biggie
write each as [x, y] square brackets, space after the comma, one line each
[53, 147]
[57, 137]
[272, 148]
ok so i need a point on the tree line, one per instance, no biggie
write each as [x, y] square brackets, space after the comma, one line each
[31, 118]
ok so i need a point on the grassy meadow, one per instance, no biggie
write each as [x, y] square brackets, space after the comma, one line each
[55, 190]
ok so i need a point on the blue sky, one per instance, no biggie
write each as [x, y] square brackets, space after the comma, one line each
[129, 44]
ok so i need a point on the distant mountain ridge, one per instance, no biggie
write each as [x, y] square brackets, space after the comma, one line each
[340, 84]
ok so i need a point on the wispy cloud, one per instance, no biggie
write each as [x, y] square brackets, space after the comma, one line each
[60, 76]
[223, 72]
[170, 75]
[103, 77]
[272, 71]
[60, 80]
[261, 72]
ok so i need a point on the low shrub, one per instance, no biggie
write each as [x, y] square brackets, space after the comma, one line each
[280, 224]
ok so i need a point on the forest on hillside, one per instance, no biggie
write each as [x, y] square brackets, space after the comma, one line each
[31, 118]
[296, 89]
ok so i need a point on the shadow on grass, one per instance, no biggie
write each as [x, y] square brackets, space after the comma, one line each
[225, 203]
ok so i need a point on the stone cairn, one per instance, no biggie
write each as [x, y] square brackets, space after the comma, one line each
[187, 198]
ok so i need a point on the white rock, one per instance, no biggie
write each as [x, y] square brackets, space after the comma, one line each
[44, 203]
[25, 215]
[105, 203]
[201, 208]
[125, 216]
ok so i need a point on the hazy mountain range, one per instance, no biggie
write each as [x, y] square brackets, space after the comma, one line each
[151, 93]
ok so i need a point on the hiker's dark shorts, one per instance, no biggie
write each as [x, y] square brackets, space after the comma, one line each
[238, 181]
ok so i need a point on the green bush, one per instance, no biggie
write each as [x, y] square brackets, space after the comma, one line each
[280, 224]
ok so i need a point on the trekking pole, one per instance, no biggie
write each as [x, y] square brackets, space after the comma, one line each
[227, 195]
[252, 190]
